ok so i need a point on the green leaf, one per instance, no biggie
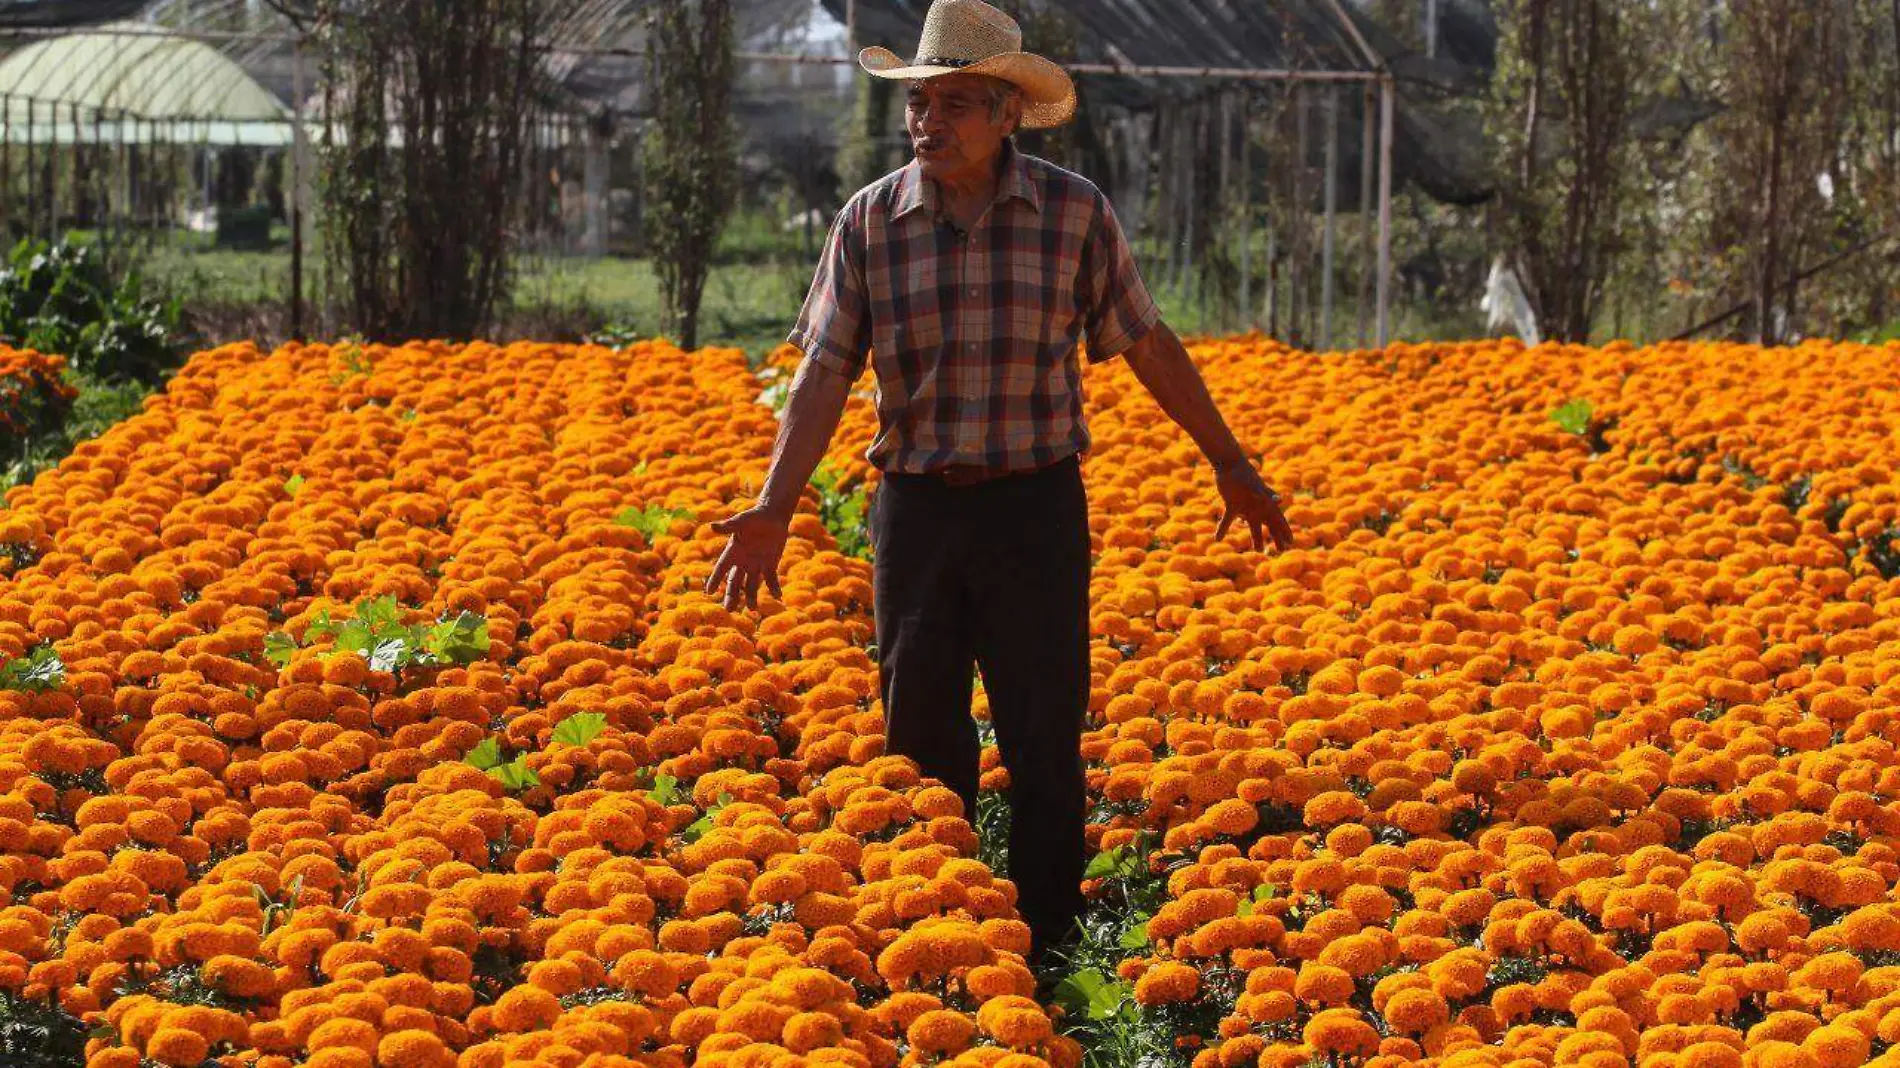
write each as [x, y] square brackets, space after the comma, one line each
[379, 612]
[355, 637]
[580, 728]
[278, 648]
[486, 754]
[322, 627]
[461, 639]
[40, 669]
[1573, 416]
[516, 775]
[666, 790]
[1136, 937]
[293, 484]
[1094, 993]
[697, 829]
[389, 654]
[652, 520]
[1110, 864]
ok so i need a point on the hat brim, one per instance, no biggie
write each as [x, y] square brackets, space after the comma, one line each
[1048, 92]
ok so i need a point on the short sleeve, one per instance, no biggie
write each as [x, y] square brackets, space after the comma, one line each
[834, 326]
[1118, 310]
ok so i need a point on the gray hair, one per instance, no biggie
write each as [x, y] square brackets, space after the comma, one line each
[1002, 91]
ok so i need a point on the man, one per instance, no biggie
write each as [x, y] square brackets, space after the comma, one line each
[966, 279]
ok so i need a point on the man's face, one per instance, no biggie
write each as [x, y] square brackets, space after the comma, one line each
[951, 129]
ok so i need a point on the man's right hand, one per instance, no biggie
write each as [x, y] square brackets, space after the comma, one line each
[751, 557]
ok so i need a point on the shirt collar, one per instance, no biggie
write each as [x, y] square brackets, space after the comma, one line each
[914, 191]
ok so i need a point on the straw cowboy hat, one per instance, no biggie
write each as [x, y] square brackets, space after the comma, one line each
[971, 37]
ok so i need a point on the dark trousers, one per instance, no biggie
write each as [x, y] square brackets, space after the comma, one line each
[996, 573]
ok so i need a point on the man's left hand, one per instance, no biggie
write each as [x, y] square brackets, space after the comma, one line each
[1246, 496]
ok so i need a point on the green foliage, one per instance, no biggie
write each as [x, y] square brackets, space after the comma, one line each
[691, 152]
[666, 790]
[1573, 416]
[652, 520]
[61, 298]
[40, 669]
[992, 831]
[32, 404]
[616, 335]
[377, 633]
[580, 728]
[34, 1034]
[842, 512]
[293, 485]
[513, 774]
[698, 828]
[1096, 996]
[101, 405]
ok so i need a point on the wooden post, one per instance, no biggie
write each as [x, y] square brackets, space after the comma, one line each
[1247, 316]
[32, 171]
[1223, 235]
[1387, 104]
[52, 176]
[1369, 252]
[1297, 275]
[296, 193]
[1332, 202]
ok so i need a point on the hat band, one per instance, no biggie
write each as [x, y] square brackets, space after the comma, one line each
[941, 61]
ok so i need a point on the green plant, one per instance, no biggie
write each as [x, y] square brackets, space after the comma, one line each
[1573, 416]
[842, 512]
[691, 155]
[698, 828]
[615, 335]
[652, 520]
[378, 634]
[40, 669]
[35, 1034]
[62, 298]
[513, 774]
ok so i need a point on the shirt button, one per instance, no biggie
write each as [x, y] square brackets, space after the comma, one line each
[973, 291]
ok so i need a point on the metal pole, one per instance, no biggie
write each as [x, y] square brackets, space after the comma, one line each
[32, 171]
[1431, 29]
[6, 162]
[1299, 279]
[851, 29]
[1366, 149]
[52, 176]
[1332, 219]
[1387, 104]
[1250, 320]
[296, 194]
[1352, 31]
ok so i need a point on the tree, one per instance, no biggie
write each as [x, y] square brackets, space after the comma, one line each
[690, 154]
[1787, 86]
[1558, 115]
[428, 110]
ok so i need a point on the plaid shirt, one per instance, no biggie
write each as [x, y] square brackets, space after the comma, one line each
[973, 337]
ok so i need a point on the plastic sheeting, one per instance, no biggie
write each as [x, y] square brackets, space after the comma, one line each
[97, 77]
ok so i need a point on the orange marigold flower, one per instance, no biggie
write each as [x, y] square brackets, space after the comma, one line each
[1168, 983]
[941, 1031]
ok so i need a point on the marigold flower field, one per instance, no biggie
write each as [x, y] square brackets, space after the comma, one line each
[361, 708]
